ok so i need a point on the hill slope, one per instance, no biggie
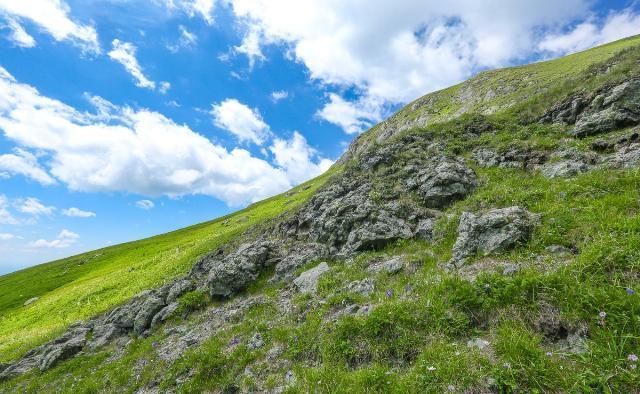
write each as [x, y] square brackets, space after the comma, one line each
[484, 239]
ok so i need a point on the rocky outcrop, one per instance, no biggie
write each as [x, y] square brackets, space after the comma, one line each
[608, 109]
[492, 231]
[514, 157]
[307, 282]
[568, 163]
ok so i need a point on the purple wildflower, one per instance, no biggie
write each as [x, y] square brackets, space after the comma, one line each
[633, 358]
[630, 291]
[234, 341]
[389, 293]
[602, 314]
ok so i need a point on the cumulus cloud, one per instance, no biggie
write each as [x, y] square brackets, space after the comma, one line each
[6, 236]
[34, 207]
[237, 118]
[65, 239]
[18, 35]
[77, 213]
[53, 17]
[593, 32]
[397, 51]
[145, 204]
[298, 159]
[5, 216]
[352, 117]
[24, 163]
[134, 151]
[125, 54]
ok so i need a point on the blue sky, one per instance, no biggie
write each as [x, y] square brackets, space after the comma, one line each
[121, 119]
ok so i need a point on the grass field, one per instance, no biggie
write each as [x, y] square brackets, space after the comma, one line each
[82, 286]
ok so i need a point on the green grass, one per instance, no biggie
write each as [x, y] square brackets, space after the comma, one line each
[414, 340]
[82, 286]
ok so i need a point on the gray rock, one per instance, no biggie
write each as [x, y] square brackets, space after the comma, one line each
[478, 343]
[364, 287]
[490, 232]
[424, 229]
[627, 156]
[179, 288]
[568, 163]
[444, 183]
[558, 250]
[56, 352]
[147, 311]
[307, 282]
[391, 266]
[514, 157]
[611, 109]
[31, 301]
[234, 272]
[256, 342]
[297, 256]
[103, 334]
[164, 314]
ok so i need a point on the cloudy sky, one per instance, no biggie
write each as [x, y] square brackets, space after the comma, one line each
[121, 119]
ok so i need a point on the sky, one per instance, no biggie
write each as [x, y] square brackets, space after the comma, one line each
[122, 119]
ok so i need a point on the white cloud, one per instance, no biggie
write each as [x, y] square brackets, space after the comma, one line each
[24, 163]
[164, 87]
[18, 35]
[240, 120]
[295, 156]
[250, 47]
[187, 40]
[201, 8]
[34, 207]
[65, 239]
[77, 213]
[279, 95]
[591, 33]
[145, 204]
[397, 51]
[5, 215]
[352, 117]
[125, 54]
[6, 236]
[53, 17]
[135, 151]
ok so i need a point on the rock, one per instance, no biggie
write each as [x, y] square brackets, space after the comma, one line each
[256, 342]
[290, 378]
[236, 271]
[514, 157]
[443, 182]
[297, 256]
[63, 348]
[31, 301]
[612, 109]
[307, 282]
[164, 314]
[364, 287]
[478, 343]
[602, 146]
[103, 334]
[625, 157]
[558, 250]
[179, 288]
[490, 232]
[569, 163]
[148, 310]
[424, 229]
[391, 266]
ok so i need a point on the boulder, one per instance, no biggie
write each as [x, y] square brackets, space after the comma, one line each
[490, 232]
[364, 287]
[391, 266]
[31, 301]
[64, 348]
[612, 109]
[234, 272]
[443, 182]
[179, 288]
[164, 314]
[147, 311]
[307, 282]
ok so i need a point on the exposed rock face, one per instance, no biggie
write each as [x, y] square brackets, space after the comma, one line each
[609, 109]
[307, 282]
[442, 182]
[240, 268]
[391, 266]
[495, 230]
[514, 157]
[568, 163]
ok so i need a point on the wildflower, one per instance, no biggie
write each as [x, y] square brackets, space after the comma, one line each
[154, 344]
[633, 358]
[431, 369]
[451, 388]
[630, 291]
[549, 354]
[632, 366]
[234, 341]
[389, 293]
[602, 314]
[507, 365]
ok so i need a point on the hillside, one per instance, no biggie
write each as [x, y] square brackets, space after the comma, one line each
[486, 238]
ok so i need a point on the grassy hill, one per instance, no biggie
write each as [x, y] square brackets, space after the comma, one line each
[81, 286]
[566, 318]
